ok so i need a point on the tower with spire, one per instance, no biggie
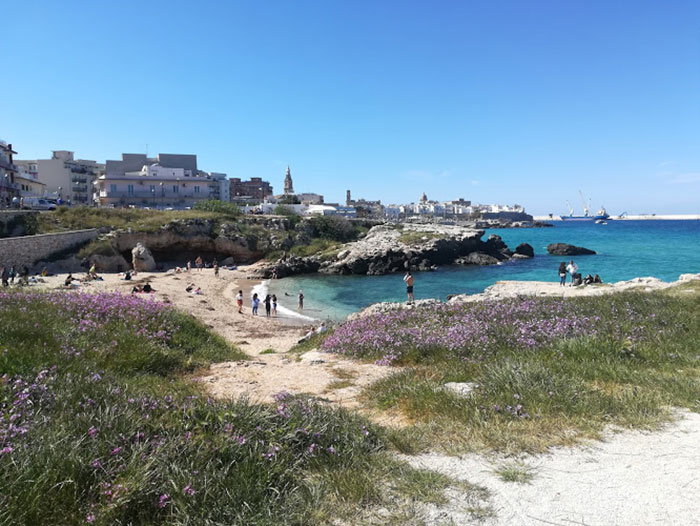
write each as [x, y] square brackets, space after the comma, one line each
[288, 185]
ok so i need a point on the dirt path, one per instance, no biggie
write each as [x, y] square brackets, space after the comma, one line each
[267, 340]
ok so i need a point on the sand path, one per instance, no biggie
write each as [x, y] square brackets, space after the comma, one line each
[267, 341]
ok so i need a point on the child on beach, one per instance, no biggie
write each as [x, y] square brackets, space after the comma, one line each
[301, 300]
[268, 305]
[239, 301]
[216, 270]
[274, 305]
[255, 303]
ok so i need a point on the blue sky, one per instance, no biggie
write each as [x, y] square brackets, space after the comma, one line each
[501, 101]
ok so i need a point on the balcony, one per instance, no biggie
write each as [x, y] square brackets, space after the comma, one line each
[7, 165]
[79, 180]
[79, 189]
[158, 194]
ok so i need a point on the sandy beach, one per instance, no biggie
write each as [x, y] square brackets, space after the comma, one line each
[267, 341]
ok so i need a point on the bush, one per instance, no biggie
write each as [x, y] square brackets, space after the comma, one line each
[333, 228]
[220, 207]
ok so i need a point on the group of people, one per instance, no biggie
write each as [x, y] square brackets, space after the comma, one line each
[8, 275]
[576, 279]
[270, 303]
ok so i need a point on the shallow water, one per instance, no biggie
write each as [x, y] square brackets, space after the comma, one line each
[625, 250]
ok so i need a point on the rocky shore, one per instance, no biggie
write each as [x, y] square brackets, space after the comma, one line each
[395, 248]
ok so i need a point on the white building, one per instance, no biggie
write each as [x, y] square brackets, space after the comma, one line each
[8, 173]
[220, 187]
[64, 176]
[28, 183]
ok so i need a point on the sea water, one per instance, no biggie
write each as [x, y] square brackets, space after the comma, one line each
[625, 250]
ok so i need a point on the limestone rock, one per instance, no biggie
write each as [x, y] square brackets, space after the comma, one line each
[142, 259]
[463, 389]
[477, 258]
[564, 249]
[523, 249]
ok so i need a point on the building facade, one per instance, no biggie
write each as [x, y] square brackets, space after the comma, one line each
[219, 187]
[254, 190]
[8, 174]
[65, 177]
[288, 184]
[165, 181]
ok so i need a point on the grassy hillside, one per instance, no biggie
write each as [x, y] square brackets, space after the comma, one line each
[98, 425]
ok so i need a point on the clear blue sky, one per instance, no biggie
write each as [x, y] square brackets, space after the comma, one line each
[494, 101]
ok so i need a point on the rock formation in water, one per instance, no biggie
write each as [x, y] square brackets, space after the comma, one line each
[563, 249]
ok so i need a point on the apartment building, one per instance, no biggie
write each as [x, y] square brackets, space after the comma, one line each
[64, 176]
[164, 181]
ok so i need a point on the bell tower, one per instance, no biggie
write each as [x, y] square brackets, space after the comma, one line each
[288, 185]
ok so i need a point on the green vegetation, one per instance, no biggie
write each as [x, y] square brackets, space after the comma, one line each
[624, 360]
[417, 238]
[97, 419]
[219, 207]
[515, 472]
[335, 228]
[80, 217]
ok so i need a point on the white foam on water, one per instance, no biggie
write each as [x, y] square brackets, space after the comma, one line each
[262, 289]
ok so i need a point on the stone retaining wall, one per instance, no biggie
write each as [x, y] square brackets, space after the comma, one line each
[27, 250]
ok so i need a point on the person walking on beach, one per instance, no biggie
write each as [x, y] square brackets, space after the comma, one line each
[268, 306]
[408, 279]
[255, 304]
[572, 269]
[562, 273]
[274, 305]
[239, 301]
[300, 304]
[199, 262]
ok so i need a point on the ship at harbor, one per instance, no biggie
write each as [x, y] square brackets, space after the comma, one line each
[599, 217]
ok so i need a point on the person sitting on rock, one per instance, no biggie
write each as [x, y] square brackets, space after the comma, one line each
[596, 279]
[588, 279]
[308, 335]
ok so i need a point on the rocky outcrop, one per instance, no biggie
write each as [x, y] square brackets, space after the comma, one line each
[142, 259]
[388, 249]
[245, 241]
[523, 250]
[477, 258]
[389, 306]
[288, 266]
[107, 263]
[563, 249]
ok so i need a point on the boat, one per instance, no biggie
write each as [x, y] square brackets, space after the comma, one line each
[602, 214]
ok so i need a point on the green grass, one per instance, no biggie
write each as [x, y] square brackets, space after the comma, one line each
[339, 384]
[567, 390]
[268, 351]
[418, 238]
[114, 433]
[515, 472]
[81, 217]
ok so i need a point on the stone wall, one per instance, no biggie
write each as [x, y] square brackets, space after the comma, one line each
[26, 250]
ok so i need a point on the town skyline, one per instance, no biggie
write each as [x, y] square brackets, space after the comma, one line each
[509, 104]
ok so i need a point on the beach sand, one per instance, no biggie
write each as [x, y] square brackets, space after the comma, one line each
[327, 376]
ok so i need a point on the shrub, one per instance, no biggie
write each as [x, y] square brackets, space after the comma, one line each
[220, 207]
[333, 228]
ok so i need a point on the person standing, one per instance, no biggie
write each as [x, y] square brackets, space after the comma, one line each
[300, 304]
[199, 262]
[408, 279]
[216, 269]
[572, 269]
[255, 303]
[5, 275]
[189, 267]
[268, 305]
[13, 273]
[274, 305]
[562, 273]
[239, 301]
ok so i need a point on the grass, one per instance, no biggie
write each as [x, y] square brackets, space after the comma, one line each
[418, 238]
[515, 472]
[81, 217]
[643, 359]
[339, 384]
[97, 419]
[268, 351]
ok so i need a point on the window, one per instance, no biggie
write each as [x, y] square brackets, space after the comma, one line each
[196, 189]
[176, 189]
[113, 188]
[152, 189]
[131, 189]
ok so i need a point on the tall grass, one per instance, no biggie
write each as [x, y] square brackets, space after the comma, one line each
[622, 360]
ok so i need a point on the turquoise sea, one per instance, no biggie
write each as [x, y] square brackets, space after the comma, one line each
[626, 249]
